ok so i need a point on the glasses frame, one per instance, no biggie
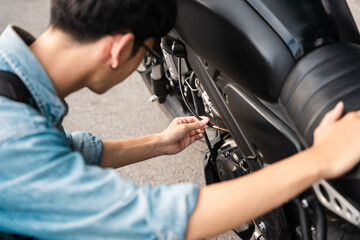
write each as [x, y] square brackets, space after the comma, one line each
[151, 51]
[153, 54]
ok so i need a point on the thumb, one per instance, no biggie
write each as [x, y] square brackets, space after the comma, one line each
[332, 115]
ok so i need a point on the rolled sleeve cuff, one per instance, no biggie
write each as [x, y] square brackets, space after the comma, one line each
[88, 145]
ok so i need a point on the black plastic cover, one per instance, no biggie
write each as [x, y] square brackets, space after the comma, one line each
[237, 41]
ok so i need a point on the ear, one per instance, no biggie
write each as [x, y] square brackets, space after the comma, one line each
[121, 48]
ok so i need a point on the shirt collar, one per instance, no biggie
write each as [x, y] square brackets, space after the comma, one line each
[14, 48]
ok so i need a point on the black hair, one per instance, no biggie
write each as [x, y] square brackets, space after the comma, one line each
[90, 20]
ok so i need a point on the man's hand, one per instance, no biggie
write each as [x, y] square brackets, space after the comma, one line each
[337, 142]
[182, 132]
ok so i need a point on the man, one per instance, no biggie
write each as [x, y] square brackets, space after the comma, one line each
[51, 185]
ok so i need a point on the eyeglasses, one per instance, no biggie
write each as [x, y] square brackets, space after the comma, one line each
[153, 54]
[149, 50]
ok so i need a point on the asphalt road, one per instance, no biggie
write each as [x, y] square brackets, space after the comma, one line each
[123, 112]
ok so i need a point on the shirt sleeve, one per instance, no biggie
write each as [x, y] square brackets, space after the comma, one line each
[48, 192]
[88, 145]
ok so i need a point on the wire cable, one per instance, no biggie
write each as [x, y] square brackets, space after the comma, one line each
[192, 111]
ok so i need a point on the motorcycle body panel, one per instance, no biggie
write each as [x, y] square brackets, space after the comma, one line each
[238, 108]
[230, 35]
[272, 69]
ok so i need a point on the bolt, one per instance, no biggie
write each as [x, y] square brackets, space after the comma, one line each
[262, 227]
[227, 154]
[257, 235]
[153, 98]
[305, 203]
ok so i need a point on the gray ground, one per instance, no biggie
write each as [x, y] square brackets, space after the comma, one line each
[123, 112]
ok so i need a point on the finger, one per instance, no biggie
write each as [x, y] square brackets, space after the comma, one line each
[197, 137]
[200, 130]
[194, 119]
[195, 132]
[196, 125]
[332, 115]
[205, 121]
[185, 120]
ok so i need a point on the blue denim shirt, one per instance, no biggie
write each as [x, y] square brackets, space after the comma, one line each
[51, 185]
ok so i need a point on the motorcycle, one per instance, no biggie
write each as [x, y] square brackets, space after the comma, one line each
[265, 72]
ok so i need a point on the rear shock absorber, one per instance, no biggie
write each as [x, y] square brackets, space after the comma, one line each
[158, 82]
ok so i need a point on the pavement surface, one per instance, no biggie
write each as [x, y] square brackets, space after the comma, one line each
[123, 112]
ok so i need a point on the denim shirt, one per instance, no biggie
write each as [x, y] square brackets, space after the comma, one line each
[51, 185]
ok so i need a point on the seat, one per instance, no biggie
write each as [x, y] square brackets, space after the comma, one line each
[318, 82]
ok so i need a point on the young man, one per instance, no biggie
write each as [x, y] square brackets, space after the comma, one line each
[51, 185]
